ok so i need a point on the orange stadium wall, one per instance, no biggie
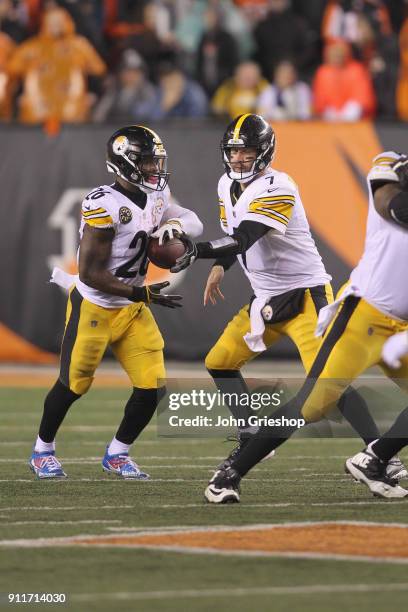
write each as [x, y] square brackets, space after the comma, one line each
[43, 180]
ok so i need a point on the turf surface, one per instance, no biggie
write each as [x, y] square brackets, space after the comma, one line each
[304, 482]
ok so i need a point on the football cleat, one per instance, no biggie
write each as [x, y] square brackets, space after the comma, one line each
[371, 471]
[242, 443]
[46, 465]
[123, 466]
[223, 487]
[396, 469]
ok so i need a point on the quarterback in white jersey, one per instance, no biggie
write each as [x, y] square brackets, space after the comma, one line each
[360, 329]
[268, 232]
[108, 303]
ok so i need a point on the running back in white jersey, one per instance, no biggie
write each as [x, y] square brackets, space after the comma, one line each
[105, 207]
[286, 257]
[381, 272]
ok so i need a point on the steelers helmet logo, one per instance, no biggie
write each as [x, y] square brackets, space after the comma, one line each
[120, 145]
[267, 312]
[125, 214]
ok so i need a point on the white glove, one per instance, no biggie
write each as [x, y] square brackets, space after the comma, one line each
[167, 231]
[395, 348]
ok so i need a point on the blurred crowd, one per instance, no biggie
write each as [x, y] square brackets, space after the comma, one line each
[74, 61]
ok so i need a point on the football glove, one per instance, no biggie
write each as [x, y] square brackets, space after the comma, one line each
[150, 294]
[394, 348]
[170, 229]
[400, 168]
[188, 258]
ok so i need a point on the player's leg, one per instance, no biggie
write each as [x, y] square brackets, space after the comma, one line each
[138, 346]
[228, 355]
[343, 355]
[85, 339]
[301, 330]
[224, 361]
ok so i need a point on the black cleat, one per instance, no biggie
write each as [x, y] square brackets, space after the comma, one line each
[371, 471]
[223, 487]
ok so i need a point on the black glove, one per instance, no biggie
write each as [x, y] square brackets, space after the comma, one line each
[189, 256]
[400, 168]
[150, 294]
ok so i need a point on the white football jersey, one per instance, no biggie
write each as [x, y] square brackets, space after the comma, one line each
[285, 258]
[105, 207]
[380, 273]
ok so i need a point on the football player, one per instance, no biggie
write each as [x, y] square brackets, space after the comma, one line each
[371, 309]
[263, 215]
[108, 305]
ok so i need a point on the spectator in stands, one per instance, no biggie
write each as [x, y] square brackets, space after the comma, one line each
[129, 96]
[402, 88]
[287, 98]
[13, 20]
[342, 87]
[380, 55]
[340, 19]
[53, 67]
[6, 48]
[178, 95]
[240, 93]
[217, 52]
[285, 35]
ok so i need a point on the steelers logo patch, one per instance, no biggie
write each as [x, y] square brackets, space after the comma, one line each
[125, 214]
[267, 312]
[120, 145]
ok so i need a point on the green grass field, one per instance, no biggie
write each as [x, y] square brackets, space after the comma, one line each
[304, 482]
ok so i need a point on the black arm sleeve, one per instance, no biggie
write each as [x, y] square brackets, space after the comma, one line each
[246, 234]
[398, 209]
[226, 262]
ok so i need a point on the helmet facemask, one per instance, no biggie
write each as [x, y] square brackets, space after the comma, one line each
[264, 155]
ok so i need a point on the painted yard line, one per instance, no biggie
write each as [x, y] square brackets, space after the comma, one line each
[284, 504]
[53, 508]
[46, 522]
[108, 478]
[242, 592]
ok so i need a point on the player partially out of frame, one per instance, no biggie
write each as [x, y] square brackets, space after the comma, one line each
[108, 304]
[263, 215]
[371, 309]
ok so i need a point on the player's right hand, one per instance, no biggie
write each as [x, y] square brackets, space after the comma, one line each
[212, 289]
[150, 294]
[400, 168]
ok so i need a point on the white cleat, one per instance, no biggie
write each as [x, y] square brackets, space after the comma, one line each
[371, 471]
[223, 487]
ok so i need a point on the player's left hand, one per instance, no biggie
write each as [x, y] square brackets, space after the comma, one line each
[170, 229]
[395, 348]
[400, 168]
[163, 299]
[188, 258]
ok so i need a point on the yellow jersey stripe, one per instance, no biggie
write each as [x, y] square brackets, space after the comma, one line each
[100, 221]
[270, 215]
[260, 209]
[276, 198]
[97, 211]
[238, 125]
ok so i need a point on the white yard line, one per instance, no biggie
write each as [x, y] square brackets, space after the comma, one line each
[241, 592]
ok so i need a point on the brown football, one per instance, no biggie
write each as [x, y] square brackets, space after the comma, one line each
[165, 255]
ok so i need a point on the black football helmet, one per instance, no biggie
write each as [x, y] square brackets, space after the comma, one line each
[132, 152]
[248, 130]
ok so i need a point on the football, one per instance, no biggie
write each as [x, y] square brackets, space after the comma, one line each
[165, 255]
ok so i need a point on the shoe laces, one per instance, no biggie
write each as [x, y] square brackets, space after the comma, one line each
[51, 462]
[126, 460]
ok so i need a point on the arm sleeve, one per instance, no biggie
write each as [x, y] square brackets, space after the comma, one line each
[189, 221]
[226, 262]
[246, 234]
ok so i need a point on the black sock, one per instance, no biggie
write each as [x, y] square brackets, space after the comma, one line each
[268, 438]
[56, 406]
[391, 442]
[355, 410]
[138, 411]
[232, 382]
